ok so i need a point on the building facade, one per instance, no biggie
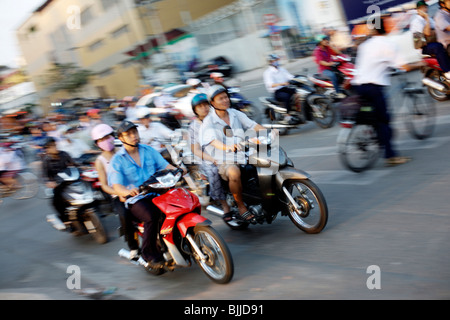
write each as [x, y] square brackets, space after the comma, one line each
[125, 42]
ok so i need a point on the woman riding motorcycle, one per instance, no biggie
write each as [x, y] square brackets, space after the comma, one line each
[103, 136]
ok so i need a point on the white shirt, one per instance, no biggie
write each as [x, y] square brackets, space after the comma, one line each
[212, 129]
[155, 130]
[418, 23]
[374, 57]
[275, 75]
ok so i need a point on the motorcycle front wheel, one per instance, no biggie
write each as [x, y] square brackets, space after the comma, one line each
[310, 211]
[218, 265]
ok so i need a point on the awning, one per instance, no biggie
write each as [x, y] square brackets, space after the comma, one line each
[143, 50]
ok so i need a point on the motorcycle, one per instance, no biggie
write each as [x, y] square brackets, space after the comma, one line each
[82, 210]
[314, 107]
[181, 156]
[183, 233]
[271, 184]
[437, 84]
[239, 102]
[345, 71]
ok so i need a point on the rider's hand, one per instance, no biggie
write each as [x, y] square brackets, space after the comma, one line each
[133, 192]
[51, 184]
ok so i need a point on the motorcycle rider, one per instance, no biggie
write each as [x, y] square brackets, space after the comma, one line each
[55, 161]
[201, 108]
[374, 58]
[150, 132]
[425, 25]
[276, 81]
[103, 136]
[322, 56]
[442, 23]
[131, 166]
[215, 140]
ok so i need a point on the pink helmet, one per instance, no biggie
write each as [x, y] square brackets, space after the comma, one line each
[100, 131]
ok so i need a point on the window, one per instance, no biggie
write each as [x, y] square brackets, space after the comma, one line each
[118, 32]
[96, 45]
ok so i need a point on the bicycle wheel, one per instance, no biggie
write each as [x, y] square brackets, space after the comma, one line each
[28, 186]
[361, 150]
[421, 115]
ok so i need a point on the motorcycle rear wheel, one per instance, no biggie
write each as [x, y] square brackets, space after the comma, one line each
[328, 113]
[219, 266]
[312, 214]
[99, 234]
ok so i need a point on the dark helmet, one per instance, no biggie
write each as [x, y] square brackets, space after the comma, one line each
[125, 126]
[215, 90]
[48, 142]
[198, 99]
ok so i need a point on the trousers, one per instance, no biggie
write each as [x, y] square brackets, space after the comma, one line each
[374, 93]
[145, 211]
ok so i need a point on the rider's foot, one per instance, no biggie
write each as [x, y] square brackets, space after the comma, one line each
[134, 254]
[447, 75]
[394, 161]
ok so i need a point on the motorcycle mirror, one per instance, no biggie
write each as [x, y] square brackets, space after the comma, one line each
[227, 131]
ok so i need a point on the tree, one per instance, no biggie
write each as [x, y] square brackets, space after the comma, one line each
[68, 77]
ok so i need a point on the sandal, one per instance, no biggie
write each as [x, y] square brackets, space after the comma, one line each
[228, 216]
[246, 216]
[394, 161]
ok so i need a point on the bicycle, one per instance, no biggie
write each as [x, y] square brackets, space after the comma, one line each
[26, 187]
[358, 142]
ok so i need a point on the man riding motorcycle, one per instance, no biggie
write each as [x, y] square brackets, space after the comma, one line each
[215, 138]
[276, 81]
[322, 56]
[55, 161]
[131, 166]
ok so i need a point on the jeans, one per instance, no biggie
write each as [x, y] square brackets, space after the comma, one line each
[334, 79]
[284, 95]
[438, 50]
[374, 93]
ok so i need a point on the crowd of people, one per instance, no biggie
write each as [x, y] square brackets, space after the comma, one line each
[57, 144]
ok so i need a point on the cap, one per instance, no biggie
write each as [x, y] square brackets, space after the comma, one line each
[125, 126]
[421, 3]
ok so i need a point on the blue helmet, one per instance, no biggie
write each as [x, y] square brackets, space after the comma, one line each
[198, 99]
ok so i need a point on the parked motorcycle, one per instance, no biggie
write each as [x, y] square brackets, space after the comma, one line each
[345, 71]
[184, 234]
[271, 185]
[437, 84]
[314, 107]
[82, 210]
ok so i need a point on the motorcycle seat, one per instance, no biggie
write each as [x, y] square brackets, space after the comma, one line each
[274, 101]
[319, 76]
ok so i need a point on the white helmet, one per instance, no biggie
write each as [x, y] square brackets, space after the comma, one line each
[100, 131]
[142, 112]
[193, 82]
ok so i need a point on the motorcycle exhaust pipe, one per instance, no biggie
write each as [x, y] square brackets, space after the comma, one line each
[434, 84]
[216, 211]
[56, 222]
[277, 126]
[124, 253]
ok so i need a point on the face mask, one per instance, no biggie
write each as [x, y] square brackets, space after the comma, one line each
[107, 144]
[276, 64]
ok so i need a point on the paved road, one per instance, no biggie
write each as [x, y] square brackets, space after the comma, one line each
[387, 227]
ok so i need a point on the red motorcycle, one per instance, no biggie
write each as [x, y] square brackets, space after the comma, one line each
[437, 84]
[184, 234]
[344, 69]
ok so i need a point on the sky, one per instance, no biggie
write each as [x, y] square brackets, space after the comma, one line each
[12, 14]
